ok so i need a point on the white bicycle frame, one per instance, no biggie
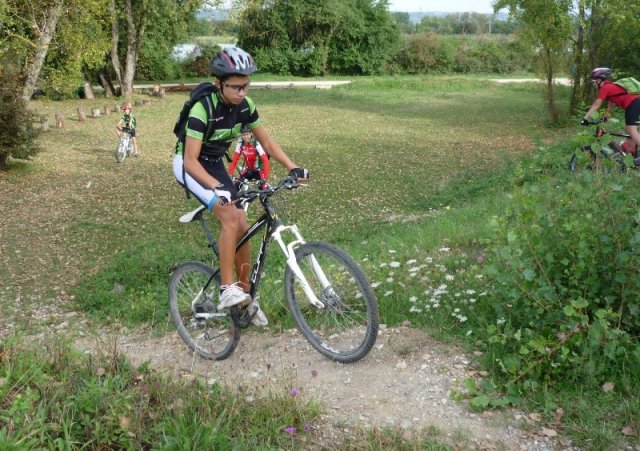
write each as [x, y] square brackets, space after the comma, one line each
[289, 252]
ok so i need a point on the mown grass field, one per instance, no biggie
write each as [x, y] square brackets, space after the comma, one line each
[379, 151]
[404, 169]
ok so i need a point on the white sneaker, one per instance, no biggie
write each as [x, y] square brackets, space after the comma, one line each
[233, 295]
[259, 318]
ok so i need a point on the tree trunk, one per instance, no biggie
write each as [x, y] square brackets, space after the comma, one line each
[135, 34]
[578, 69]
[42, 47]
[551, 107]
[115, 37]
[88, 88]
[107, 85]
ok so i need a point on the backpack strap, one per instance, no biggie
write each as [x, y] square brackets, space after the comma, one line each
[208, 107]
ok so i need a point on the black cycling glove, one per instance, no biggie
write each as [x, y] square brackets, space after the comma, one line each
[585, 122]
[299, 173]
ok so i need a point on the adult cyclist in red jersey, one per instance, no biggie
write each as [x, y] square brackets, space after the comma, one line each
[205, 176]
[616, 95]
[255, 161]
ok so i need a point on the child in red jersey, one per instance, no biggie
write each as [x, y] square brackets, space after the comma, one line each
[255, 161]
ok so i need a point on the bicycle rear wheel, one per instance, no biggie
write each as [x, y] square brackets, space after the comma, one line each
[211, 334]
[346, 328]
[121, 151]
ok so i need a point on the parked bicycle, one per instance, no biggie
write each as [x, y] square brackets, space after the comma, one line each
[607, 156]
[328, 295]
[125, 145]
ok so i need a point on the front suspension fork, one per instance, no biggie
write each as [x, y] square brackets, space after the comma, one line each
[289, 252]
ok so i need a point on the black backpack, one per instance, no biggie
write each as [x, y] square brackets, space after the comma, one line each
[202, 93]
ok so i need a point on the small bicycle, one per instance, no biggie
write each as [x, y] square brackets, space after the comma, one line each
[328, 295]
[125, 144]
[596, 155]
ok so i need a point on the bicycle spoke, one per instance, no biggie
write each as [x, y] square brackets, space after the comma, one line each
[209, 333]
[346, 328]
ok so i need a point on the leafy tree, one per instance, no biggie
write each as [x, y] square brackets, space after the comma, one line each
[548, 26]
[28, 28]
[312, 38]
[17, 134]
[79, 48]
[403, 20]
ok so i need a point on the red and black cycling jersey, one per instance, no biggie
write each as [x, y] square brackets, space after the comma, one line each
[616, 94]
[255, 159]
[227, 121]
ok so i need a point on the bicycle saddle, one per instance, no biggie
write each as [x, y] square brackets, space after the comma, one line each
[188, 217]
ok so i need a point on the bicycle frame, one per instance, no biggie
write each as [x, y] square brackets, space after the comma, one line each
[273, 228]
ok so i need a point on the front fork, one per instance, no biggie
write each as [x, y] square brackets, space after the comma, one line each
[289, 252]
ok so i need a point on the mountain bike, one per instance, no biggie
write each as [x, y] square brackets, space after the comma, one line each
[328, 295]
[604, 157]
[125, 145]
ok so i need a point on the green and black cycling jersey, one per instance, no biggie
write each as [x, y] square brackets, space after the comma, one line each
[227, 121]
[129, 121]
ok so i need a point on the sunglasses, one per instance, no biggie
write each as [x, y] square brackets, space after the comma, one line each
[237, 88]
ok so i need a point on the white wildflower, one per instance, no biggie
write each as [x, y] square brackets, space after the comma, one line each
[394, 264]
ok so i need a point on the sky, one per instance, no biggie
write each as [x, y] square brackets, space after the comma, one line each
[459, 6]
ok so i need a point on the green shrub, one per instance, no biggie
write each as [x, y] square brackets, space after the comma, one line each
[564, 267]
[17, 131]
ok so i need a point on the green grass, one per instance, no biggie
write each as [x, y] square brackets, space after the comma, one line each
[403, 169]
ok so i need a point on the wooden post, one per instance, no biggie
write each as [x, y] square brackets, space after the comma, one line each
[117, 107]
[161, 93]
[107, 110]
[45, 123]
[81, 115]
[59, 120]
[95, 112]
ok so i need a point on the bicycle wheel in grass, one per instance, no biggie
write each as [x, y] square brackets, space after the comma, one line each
[121, 151]
[346, 328]
[209, 333]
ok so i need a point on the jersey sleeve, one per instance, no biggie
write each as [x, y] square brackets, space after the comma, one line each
[234, 161]
[197, 122]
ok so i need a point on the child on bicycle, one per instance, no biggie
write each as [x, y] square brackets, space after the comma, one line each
[199, 167]
[255, 161]
[616, 95]
[127, 124]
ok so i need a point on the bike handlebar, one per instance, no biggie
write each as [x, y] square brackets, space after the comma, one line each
[288, 182]
[600, 131]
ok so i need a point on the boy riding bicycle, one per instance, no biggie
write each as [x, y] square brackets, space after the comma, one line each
[127, 124]
[199, 167]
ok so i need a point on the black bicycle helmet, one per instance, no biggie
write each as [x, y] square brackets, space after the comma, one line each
[232, 61]
[245, 128]
[600, 73]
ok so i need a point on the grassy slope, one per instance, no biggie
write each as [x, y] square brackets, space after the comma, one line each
[381, 152]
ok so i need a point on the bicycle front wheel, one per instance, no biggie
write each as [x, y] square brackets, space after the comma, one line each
[345, 328]
[121, 151]
[208, 332]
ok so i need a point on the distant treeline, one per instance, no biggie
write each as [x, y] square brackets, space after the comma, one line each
[457, 23]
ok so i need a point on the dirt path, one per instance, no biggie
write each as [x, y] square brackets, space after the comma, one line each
[406, 382]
